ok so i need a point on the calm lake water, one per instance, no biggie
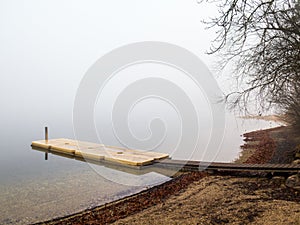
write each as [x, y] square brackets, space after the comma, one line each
[33, 189]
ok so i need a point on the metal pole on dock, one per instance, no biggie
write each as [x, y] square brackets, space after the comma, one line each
[46, 134]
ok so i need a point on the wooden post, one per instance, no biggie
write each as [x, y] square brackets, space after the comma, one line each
[46, 134]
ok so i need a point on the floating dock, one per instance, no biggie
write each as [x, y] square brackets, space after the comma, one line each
[100, 152]
[140, 162]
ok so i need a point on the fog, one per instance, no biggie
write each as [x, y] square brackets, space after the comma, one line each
[46, 48]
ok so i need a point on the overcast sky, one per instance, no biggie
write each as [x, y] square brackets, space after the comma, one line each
[46, 47]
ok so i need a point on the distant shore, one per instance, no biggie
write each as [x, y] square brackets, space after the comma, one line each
[198, 197]
[275, 118]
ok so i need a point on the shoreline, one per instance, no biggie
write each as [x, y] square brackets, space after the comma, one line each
[130, 205]
[260, 147]
[274, 118]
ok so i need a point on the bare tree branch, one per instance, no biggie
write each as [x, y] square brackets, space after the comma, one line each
[262, 38]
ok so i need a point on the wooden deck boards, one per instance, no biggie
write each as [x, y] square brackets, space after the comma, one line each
[95, 151]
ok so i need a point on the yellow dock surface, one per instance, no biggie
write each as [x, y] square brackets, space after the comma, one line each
[95, 151]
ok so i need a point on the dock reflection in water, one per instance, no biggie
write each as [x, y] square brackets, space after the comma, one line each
[147, 175]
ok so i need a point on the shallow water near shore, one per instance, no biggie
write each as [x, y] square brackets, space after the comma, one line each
[33, 189]
[41, 190]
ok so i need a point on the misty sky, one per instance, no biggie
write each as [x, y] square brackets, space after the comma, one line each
[47, 46]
